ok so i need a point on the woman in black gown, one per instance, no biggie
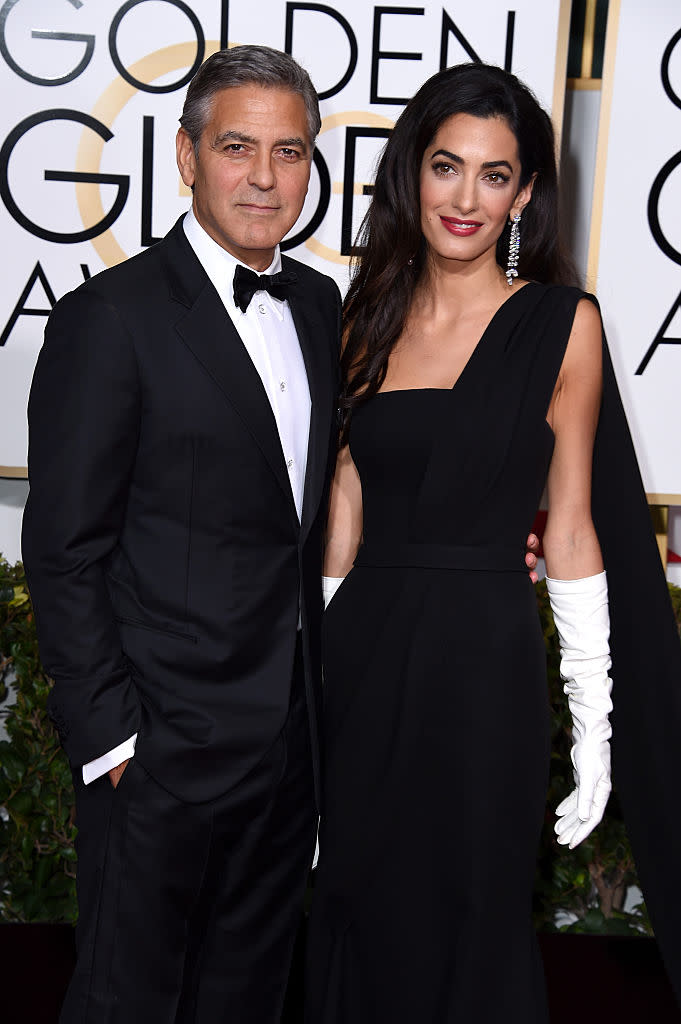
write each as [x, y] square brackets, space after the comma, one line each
[463, 398]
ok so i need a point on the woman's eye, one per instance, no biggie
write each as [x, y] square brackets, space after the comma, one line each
[497, 178]
[443, 169]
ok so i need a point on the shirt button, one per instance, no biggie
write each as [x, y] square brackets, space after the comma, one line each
[289, 463]
[282, 385]
[262, 308]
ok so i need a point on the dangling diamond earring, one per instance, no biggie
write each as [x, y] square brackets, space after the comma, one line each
[513, 250]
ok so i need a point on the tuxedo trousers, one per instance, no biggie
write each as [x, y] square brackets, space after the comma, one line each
[188, 912]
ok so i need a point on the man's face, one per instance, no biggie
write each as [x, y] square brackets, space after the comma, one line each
[252, 171]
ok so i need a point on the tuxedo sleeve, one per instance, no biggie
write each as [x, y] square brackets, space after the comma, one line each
[84, 412]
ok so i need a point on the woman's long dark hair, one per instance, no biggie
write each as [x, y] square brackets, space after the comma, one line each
[383, 283]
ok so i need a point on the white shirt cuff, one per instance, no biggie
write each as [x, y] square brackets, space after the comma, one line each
[101, 765]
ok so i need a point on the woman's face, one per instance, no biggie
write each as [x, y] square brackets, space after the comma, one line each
[470, 175]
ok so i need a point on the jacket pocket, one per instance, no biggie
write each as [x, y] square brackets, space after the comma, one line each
[138, 624]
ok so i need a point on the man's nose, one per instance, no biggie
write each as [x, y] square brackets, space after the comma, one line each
[261, 172]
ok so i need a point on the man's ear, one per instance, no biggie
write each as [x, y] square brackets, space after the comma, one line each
[523, 197]
[186, 158]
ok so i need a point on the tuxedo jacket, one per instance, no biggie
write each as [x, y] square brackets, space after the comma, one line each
[164, 555]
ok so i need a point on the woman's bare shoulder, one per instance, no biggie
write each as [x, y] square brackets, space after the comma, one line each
[585, 344]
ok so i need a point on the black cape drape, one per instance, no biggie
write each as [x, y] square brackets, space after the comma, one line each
[646, 673]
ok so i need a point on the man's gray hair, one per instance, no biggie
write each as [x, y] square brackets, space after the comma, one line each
[246, 65]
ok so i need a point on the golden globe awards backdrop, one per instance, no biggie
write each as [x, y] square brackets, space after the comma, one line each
[635, 250]
[92, 92]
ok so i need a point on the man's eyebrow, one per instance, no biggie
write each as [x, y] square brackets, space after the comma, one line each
[460, 160]
[293, 141]
[236, 136]
[233, 136]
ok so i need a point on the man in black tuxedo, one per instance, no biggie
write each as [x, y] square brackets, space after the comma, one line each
[181, 432]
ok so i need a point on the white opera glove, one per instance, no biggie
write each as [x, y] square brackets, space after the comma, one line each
[330, 585]
[580, 611]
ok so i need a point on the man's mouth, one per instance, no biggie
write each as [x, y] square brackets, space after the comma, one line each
[258, 208]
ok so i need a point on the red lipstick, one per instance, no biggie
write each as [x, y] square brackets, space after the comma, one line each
[463, 228]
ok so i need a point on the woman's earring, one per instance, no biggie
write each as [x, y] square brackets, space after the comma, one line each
[513, 250]
[410, 261]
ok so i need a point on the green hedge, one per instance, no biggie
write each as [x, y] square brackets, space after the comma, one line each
[37, 832]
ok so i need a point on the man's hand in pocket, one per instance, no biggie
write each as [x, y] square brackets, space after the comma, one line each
[116, 773]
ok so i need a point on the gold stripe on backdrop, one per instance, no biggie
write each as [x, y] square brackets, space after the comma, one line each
[588, 40]
[602, 148]
[559, 81]
[660, 517]
[13, 473]
[664, 499]
[584, 84]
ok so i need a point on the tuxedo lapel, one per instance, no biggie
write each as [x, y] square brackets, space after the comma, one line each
[209, 333]
[317, 357]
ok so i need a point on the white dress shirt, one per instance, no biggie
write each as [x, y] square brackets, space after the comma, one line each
[269, 336]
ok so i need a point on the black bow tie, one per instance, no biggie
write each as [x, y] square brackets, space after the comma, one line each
[247, 283]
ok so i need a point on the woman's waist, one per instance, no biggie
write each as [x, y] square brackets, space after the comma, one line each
[476, 556]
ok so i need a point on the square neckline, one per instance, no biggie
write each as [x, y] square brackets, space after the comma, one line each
[476, 348]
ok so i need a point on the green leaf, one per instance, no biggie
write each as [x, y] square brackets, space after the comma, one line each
[13, 765]
[20, 805]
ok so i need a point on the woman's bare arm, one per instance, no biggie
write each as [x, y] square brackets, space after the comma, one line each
[344, 530]
[571, 547]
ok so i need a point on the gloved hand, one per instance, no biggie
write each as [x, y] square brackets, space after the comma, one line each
[330, 585]
[580, 611]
